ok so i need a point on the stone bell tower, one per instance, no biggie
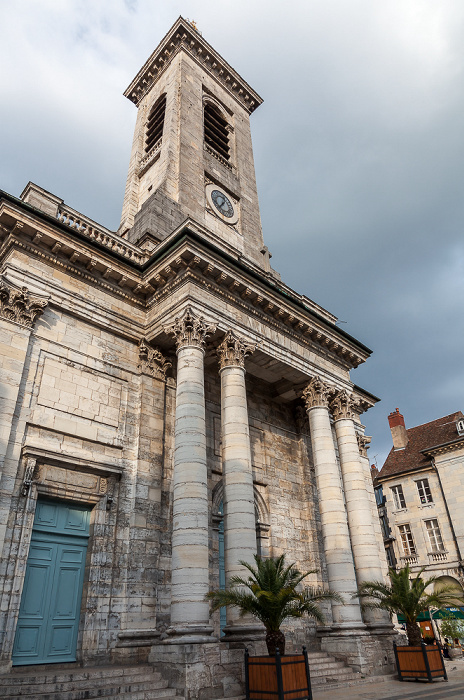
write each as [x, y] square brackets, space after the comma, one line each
[192, 154]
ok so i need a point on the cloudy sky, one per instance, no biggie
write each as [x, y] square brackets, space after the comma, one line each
[359, 150]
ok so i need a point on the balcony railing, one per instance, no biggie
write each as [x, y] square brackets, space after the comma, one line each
[438, 556]
[409, 559]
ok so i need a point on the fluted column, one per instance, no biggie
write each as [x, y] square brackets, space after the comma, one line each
[190, 552]
[239, 506]
[358, 500]
[336, 537]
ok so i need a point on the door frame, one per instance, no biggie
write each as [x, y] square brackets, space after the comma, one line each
[23, 506]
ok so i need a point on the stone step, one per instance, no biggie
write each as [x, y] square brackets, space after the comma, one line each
[135, 691]
[22, 674]
[138, 682]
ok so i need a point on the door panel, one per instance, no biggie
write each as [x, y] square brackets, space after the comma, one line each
[50, 604]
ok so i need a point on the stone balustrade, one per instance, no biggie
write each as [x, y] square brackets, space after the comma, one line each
[104, 236]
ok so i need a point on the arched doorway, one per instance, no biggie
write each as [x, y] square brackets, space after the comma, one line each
[262, 535]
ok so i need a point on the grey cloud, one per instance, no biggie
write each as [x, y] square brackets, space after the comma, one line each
[359, 155]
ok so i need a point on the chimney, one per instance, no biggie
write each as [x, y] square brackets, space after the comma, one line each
[398, 430]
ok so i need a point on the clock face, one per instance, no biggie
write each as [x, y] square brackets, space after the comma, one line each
[222, 203]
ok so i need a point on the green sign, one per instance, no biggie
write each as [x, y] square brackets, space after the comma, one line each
[437, 615]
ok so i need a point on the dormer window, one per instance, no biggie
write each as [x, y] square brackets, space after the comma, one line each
[155, 123]
[216, 131]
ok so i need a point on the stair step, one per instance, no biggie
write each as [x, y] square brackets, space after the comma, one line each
[140, 682]
[137, 691]
[79, 674]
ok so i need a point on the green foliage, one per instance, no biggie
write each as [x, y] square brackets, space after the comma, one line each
[406, 595]
[270, 593]
[451, 627]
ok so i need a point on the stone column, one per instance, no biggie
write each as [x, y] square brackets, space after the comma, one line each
[336, 536]
[239, 503]
[190, 552]
[358, 500]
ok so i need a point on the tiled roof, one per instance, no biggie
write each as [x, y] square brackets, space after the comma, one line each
[422, 437]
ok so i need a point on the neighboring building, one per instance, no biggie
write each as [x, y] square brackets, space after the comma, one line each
[420, 494]
[140, 462]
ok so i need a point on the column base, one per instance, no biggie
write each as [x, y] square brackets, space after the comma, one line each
[368, 651]
[241, 634]
[201, 671]
[190, 634]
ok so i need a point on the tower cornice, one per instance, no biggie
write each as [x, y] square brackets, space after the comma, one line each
[183, 37]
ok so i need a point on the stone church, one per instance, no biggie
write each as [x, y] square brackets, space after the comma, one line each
[170, 407]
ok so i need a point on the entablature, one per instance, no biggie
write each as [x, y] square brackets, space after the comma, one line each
[189, 259]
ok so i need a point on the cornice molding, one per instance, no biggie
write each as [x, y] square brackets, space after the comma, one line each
[183, 37]
[186, 251]
[17, 304]
[445, 447]
[233, 350]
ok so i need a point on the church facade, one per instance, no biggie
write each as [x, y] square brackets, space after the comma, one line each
[170, 407]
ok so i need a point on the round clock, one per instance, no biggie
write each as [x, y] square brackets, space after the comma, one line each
[221, 204]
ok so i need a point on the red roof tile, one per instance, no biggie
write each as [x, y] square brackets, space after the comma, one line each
[422, 437]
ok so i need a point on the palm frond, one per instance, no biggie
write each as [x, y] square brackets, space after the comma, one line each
[270, 593]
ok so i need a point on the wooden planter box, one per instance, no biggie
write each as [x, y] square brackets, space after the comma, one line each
[420, 662]
[277, 677]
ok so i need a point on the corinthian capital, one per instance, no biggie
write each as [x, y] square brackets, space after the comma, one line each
[19, 305]
[233, 350]
[316, 394]
[343, 405]
[190, 330]
[152, 360]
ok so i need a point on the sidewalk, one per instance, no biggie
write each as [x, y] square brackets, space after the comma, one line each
[389, 689]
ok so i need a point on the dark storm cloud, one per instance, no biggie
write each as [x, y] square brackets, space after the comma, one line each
[359, 152]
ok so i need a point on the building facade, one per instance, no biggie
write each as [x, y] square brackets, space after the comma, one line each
[420, 490]
[171, 407]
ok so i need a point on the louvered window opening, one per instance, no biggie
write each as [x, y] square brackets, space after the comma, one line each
[155, 123]
[216, 134]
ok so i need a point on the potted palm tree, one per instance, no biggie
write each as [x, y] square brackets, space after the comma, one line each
[272, 593]
[407, 595]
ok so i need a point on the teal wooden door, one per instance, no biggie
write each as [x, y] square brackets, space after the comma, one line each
[50, 604]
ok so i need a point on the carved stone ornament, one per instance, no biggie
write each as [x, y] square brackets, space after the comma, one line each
[363, 444]
[343, 405]
[29, 469]
[190, 330]
[152, 361]
[233, 350]
[316, 394]
[18, 305]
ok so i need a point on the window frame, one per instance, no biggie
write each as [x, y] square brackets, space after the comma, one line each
[155, 127]
[406, 537]
[216, 131]
[435, 547]
[424, 497]
[399, 500]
